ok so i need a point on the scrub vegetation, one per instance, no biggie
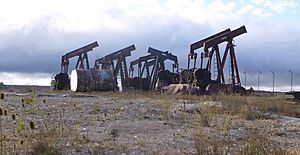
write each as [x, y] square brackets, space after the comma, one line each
[51, 123]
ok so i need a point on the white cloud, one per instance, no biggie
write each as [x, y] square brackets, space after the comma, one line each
[149, 21]
[279, 6]
[258, 1]
[117, 15]
[43, 79]
[245, 9]
[257, 11]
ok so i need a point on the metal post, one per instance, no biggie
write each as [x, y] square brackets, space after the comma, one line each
[245, 73]
[292, 76]
[258, 78]
[273, 80]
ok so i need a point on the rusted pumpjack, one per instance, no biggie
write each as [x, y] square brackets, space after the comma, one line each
[117, 62]
[144, 63]
[61, 81]
[202, 76]
[154, 63]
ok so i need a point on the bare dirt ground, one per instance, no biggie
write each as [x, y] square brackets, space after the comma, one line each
[144, 123]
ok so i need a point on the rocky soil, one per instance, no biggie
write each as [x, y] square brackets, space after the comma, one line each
[135, 123]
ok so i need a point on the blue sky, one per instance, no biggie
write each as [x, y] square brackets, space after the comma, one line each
[34, 34]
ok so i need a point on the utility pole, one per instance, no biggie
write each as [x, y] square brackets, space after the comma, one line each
[273, 80]
[258, 78]
[245, 79]
[292, 76]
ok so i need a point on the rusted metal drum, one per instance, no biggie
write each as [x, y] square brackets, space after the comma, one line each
[92, 80]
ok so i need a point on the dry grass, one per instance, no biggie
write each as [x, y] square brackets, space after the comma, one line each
[261, 144]
[253, 107]
[210, 144]
[206, 115]
[47, 141]
[52, 133]
[255, 143]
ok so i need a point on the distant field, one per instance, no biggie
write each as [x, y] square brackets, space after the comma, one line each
[24, 88]
[46, 122]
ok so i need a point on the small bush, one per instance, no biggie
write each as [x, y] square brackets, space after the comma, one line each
[206, 115]
[248, 113]
[43, 148]
[27, 100]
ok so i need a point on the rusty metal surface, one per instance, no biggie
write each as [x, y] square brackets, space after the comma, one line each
[125, 52]
[203, 78]
[81, 50]
[163, 56]
[92, 80]
[153, 67]
[82, 62]
[177, 89]
[200, 43]
[211, 52]
[228, 36]
[140, 83]
[117, 62]
[61, 82]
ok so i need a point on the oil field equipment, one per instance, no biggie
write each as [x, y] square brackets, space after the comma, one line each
[202, 75]
[156, 73]
[61, 81]
[144, 63]
[85, 80]
[117, 62]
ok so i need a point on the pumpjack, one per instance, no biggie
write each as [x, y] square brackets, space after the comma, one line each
[156, 73]
[61, 81]
[144, 63]
[210, 45]
[117, 62]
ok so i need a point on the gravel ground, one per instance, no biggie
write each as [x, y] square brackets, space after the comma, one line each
[108, 123]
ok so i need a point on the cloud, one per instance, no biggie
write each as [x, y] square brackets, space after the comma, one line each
[10, 78]
[279, 6]
[35, 34]
[257, 11]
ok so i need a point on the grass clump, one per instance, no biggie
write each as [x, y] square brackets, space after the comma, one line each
[260, 144]
[206, 115]
[45, 141]
[43, 148]
[28, 100]
[243, 106]
[20, 126]
[210, 145]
